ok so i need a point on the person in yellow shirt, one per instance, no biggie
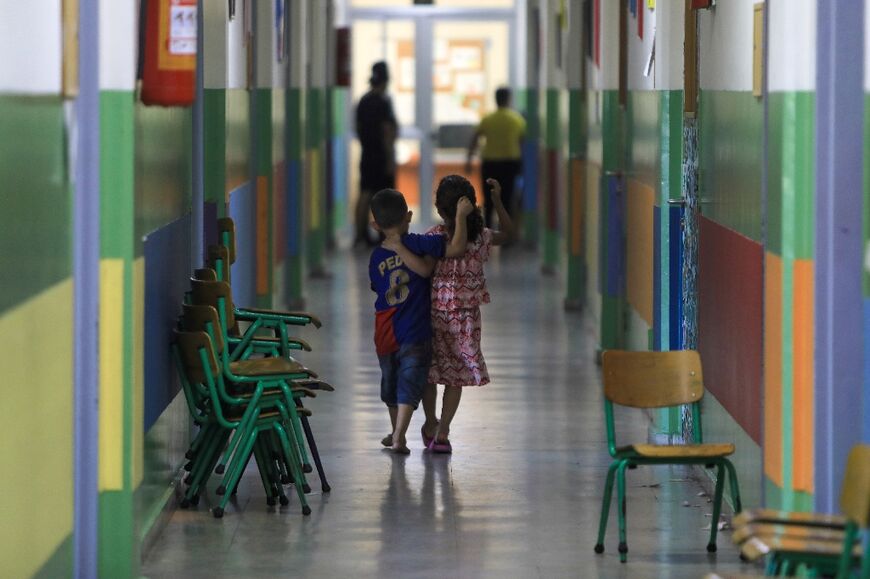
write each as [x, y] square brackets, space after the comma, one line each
[503, 131]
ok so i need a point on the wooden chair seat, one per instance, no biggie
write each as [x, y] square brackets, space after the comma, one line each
[785, 517]
[314, 385]
[758, 547]
[746, 532]
[268, 367]
[716, 450]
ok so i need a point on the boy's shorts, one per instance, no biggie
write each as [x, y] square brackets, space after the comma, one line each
[404, 374]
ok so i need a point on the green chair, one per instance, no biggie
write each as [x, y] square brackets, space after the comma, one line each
[268, 344]
[657, 380]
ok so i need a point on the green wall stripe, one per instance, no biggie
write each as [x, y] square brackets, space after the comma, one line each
[730, 132]
[577, 124]
[214, 147]
[263, 132]
[116, 174]
[118, 554]
[117, 232]
[315, 112]
[36, 239]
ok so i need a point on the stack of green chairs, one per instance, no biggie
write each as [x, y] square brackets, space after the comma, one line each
[251, 401]
[813, 543]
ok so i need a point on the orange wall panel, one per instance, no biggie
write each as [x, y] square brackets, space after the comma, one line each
[639, 246]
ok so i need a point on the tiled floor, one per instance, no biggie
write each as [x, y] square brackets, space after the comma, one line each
[520, 496]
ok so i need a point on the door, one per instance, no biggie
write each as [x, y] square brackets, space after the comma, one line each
[445, 64]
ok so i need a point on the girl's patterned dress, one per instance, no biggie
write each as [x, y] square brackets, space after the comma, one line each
[458, 290]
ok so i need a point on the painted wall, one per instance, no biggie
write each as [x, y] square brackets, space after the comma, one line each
[730, 282]
[36, 303]
[789, 257]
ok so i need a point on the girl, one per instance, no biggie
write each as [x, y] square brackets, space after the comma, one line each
[458, 291]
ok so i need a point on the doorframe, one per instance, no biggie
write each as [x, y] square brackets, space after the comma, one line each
[424, 19]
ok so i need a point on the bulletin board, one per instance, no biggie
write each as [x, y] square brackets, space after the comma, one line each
[459, 68]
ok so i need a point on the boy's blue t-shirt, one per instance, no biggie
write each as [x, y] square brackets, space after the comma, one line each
[402, 309]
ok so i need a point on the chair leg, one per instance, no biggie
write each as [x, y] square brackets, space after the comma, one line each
[300, 442]
[622, 511]
[605, 507]
[309, 435]
[294, 467]
[263, 467]
[237, 468]
[717, 507]
[735, 486]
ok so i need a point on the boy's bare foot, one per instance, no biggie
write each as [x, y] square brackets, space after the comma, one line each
[387, 440]
[400, 446]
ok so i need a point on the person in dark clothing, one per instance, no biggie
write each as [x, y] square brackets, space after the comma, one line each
[376, 128]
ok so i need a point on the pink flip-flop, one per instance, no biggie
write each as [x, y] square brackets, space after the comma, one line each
[440, 447]
[427, 441]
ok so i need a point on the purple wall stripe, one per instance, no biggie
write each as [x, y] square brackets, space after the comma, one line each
[86, 277]
[839, 210]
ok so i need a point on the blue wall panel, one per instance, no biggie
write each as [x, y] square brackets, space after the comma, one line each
[243, 210]
[167, 275]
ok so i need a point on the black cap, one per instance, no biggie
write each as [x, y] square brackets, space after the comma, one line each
[380, 73]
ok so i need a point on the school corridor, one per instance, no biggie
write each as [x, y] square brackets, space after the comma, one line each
[685, 302]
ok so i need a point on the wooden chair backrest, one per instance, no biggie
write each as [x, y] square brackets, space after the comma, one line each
[205, 274]
[197, 318]
[227, 227]
[189, 345]
[652, 379]
[855, 496]
[207, 293]
[219, 252]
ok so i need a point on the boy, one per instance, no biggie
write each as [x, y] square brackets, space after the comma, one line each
[403, 328]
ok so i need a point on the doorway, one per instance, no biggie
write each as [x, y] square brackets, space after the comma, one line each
[445, 65]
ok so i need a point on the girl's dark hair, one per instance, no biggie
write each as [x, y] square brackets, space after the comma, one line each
[450, 190]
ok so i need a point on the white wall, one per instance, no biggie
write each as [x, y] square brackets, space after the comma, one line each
[118, 44]
[606, 76]
[725, 39]
[237, 55]
[670, 36]
[31, 44]
[639, 48]
[791, 61]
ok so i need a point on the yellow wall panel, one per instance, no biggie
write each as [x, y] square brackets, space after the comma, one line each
[111, 474]
[36, 354]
